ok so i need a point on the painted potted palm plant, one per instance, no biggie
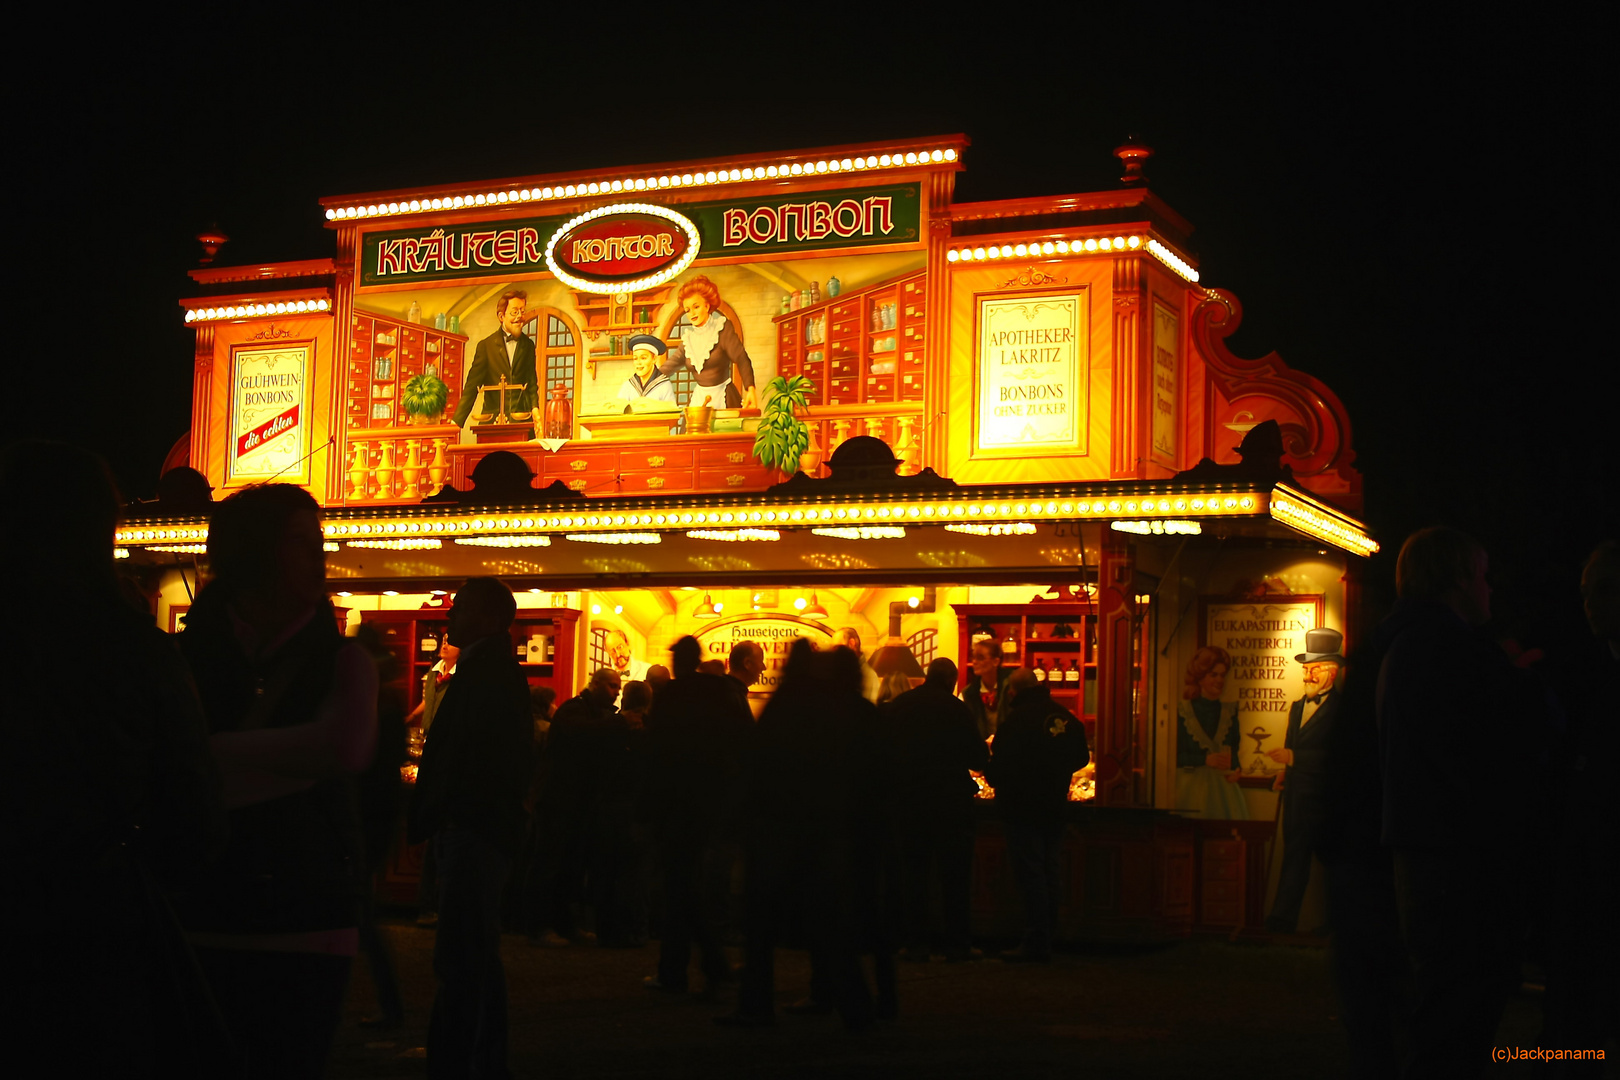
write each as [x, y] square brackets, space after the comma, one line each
[782, 438]
[424, 397]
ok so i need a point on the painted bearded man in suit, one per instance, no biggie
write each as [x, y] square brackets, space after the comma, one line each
[1304, 779]
[509, 352]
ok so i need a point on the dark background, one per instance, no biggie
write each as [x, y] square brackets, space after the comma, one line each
[1410, 207]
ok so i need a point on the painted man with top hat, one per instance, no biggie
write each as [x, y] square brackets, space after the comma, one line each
[1304, 776]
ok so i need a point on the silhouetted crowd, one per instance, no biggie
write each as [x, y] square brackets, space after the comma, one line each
[203, 817]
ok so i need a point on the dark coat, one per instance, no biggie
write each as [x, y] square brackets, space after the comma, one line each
[296, 862]
[1451, 710]
[973, 698]
[1307, 778]
[937, 743]
[488, 365]
[477, 762]
[698, 735]
[587, 750]
[1038, 748]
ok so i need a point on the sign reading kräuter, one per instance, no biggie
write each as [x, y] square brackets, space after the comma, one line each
[1030, 385]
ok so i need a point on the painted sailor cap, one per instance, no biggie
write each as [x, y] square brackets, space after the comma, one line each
[649, 343]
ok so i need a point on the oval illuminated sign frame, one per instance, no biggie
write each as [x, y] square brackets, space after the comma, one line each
[623, 285]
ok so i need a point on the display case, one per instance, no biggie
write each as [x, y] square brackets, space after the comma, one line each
[384, 353]
[859, 348]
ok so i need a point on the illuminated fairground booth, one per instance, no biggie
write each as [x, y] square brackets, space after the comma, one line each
[781, 394]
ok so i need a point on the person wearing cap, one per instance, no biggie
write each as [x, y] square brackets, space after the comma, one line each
[1304, 777]
[647, 382]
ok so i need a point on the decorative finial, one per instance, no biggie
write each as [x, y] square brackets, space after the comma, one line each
[1134, 153]
[212, 239]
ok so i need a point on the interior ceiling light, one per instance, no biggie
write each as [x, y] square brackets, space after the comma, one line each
[1158, 528]
[518, 541]
[616, 538]
[734, 534]
[404, 543]
[707, 609]
[862, 532]
[1011, 528]
[814, 609]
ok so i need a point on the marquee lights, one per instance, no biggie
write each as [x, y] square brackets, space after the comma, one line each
[181, 549]
[661, 182]
[1037, 249]
[967, 511]
[1173, 261]
[1296, 513]
[673, 270]
[256, 311]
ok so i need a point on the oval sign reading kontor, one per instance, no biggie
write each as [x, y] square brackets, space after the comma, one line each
[622, 248]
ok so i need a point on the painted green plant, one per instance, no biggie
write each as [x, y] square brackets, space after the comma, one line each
[425, 395]
[783, 438]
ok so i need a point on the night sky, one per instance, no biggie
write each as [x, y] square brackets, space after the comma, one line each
[1415, 212]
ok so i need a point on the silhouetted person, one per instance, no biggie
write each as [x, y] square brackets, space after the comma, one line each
[803, 790]
[1449, 706]
[698, 733]
[745, 665]
[381, 803]
[657, 678]
[985, 693]
[1583, 949]
[618, 872]
[847, 637]
[1368, 958]
[586, 739]
[112, 797]
[535, 898]
[938, 744]
[1304, 778]
[1038, 748]
[293, 711]
[474, 774]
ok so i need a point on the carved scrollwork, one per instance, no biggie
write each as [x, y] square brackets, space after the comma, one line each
[1316, 437]
[1032, 275]
[271, 333]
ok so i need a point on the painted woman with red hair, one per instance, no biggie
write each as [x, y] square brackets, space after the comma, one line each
[1207, 738]
[712, 349]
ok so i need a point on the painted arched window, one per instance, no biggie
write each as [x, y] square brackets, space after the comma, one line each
[924, 645]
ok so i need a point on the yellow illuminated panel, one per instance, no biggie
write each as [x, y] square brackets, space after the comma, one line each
[1313, 519]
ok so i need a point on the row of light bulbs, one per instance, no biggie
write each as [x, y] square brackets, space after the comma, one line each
[248, 311]
[1045, 247]
[644, 183]
[1308, 519]
[1088, 246]
[1245, 503]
